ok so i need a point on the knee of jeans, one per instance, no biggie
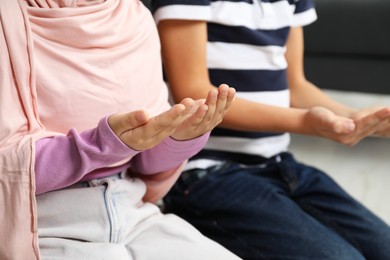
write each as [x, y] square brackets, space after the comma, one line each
[348, 255]
[343, 251]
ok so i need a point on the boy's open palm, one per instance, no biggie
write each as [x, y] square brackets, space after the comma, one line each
[349, 131]
[375, 120]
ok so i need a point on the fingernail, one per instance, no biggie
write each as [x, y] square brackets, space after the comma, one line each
[224, 90]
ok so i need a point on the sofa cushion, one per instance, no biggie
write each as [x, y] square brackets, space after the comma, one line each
[358, 27]
[348, 47]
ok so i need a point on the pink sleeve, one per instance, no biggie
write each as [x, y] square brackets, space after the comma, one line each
[167, 155]
[64, 160]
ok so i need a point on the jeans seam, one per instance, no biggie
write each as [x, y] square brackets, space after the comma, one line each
[286, 172]
[110, 211]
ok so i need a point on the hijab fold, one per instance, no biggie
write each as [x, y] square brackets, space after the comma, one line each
[19, 123]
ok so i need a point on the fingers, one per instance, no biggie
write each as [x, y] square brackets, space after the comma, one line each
[121, 123]
[327, 123]
[367, 125]
[190, 105]
[373, 123]
[230, 98]
[383, 130]
[219, 101]
[208, 114]
[183, 121]
[343, 131]
[195, 120]
[159, 127]
[138, 131]
[342, 125]
[165, 124]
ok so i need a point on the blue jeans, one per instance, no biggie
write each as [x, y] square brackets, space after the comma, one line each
[281, 209]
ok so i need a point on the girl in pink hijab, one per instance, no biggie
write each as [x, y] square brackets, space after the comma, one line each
[88, 140]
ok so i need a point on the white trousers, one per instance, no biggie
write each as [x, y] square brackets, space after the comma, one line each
[106, 219]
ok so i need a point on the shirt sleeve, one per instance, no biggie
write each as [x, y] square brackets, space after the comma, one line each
[181, 10]
[304, 13]
[167, 155]
[64, 160]
[61, 161]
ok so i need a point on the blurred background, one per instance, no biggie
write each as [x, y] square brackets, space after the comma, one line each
[347, 53]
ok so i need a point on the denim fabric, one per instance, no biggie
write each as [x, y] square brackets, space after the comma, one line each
[278, 210]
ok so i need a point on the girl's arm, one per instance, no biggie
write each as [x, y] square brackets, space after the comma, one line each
[65, 160]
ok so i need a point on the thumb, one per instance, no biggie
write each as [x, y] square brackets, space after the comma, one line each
[342, 125]
[121, 123]
[336, 124]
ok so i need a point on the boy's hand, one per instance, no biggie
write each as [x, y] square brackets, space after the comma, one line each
[379, 115]
[349, 131]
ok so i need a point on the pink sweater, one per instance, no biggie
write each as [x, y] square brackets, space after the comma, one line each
[64, 160]
[65, 65]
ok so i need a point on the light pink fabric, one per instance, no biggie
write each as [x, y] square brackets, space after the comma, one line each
[57, 66]
[18, 124]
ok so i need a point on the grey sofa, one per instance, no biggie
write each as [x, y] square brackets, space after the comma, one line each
[348, 47]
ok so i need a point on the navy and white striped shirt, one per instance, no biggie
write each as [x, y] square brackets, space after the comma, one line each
[246, 48]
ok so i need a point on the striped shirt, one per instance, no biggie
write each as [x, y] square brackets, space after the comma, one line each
[246, 50]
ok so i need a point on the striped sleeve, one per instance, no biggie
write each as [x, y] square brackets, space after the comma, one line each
[181, 10]
[304, 13]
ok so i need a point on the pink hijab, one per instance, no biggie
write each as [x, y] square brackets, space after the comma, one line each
[21, 123]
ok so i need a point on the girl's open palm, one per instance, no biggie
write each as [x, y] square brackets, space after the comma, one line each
[183, 121]
[208, 113]
[139, 131]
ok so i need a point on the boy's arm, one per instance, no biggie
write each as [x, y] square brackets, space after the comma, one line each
[304, 94]
[184, 46]
[184, 49]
